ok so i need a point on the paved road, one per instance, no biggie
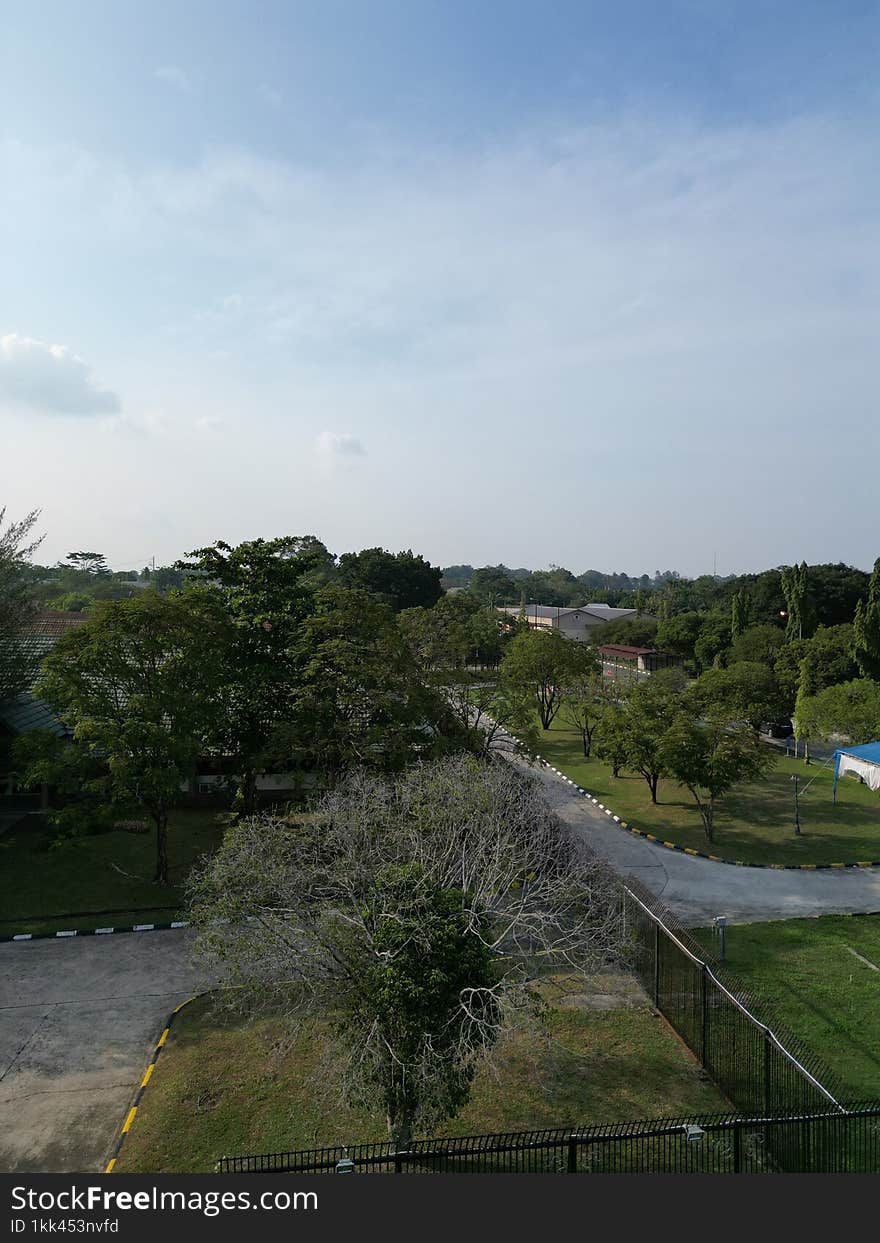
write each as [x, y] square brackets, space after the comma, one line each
[78, 1018]
[697, 889]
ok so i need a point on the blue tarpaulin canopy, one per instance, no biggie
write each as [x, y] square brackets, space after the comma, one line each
[864, 761]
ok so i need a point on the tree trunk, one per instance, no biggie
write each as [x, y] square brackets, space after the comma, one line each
[615, 770]
[248, 792]
[586, 746]
[709, 820]
[652, 785]
[400, 1127]
[161, 819]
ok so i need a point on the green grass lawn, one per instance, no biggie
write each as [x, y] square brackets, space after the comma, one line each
[808, 969]
[110, 871]
[222, 1088]
[754, 823]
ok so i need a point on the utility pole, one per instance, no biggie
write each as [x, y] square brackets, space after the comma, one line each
[797, 811]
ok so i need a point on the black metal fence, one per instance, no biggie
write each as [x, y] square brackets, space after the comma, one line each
[838, 1142]
[760, 1068]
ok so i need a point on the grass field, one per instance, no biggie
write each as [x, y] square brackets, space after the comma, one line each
[222, 1088]
[754, 823]
[110, 871]
[810, 971]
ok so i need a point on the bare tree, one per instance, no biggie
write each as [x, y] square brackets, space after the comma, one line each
[415, 914]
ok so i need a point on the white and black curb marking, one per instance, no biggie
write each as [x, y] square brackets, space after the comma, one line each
[699, 854]
[94, 932]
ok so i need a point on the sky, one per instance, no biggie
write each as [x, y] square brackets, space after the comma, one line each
[592, 284]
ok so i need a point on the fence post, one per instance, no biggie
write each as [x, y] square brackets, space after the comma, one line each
[766, 1070]
[737, 1146]
[704, 1014]
[572, 1155]
[398, 1164]
[656, 966]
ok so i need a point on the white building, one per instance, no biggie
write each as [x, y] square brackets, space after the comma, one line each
[573, 623]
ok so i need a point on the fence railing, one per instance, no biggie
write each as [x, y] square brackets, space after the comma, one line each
[829, 1142]
[760, 1068]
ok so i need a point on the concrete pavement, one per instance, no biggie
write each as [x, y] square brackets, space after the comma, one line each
[78, 1018]
[698, 889]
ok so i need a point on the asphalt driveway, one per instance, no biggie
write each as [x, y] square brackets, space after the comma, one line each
[698, 889]
[78, 1018]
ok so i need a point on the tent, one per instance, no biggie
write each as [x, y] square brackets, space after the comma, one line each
[864, 761]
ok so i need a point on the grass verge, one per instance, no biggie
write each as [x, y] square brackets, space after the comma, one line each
[40, 882]
[225, 1087]
[823, 976]
[754, 823]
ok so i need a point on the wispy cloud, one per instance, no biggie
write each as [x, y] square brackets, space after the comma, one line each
[49, 379]
[339, 444]
[176, 77]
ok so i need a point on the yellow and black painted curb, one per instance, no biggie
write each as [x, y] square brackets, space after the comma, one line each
[142, 1087]
[700, 854]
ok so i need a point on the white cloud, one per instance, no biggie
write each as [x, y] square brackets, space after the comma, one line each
[177, 77]
[50, 379]
[339, 444]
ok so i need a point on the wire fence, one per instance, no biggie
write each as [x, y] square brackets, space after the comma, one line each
[759, 1066]
[830, 1142]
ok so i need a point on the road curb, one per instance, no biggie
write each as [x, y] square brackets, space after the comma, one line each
[92, 932]
[700, 854]
[142, 1087]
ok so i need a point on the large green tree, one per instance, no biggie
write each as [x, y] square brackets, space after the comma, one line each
[540, 666]
[261, 590]
[403, 580]
[851, 709]
[710, 757]
[361, 700]
[136, 686]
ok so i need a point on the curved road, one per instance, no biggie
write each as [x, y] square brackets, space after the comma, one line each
[698, 889]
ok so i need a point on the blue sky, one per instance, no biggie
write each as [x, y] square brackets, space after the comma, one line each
[594, 284]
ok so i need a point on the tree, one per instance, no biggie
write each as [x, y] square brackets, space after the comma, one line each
[831, 661]
[414, 914]
[799, 604]
[710, 757]
[586, 702]
[713, 640]
[89, 562]
[633, 631]
[746, 692]
[135, 686]
[758, 644]
[493, 585]
[360, 699]
[677, 635]
[851, 709]
[613, 742]
[17, 546]
[648, 709]
[403, 580]
[260, 588]
[866, 629]
[539, 666]
[740, 614]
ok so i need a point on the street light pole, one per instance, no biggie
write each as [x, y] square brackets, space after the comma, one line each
[797, 811]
